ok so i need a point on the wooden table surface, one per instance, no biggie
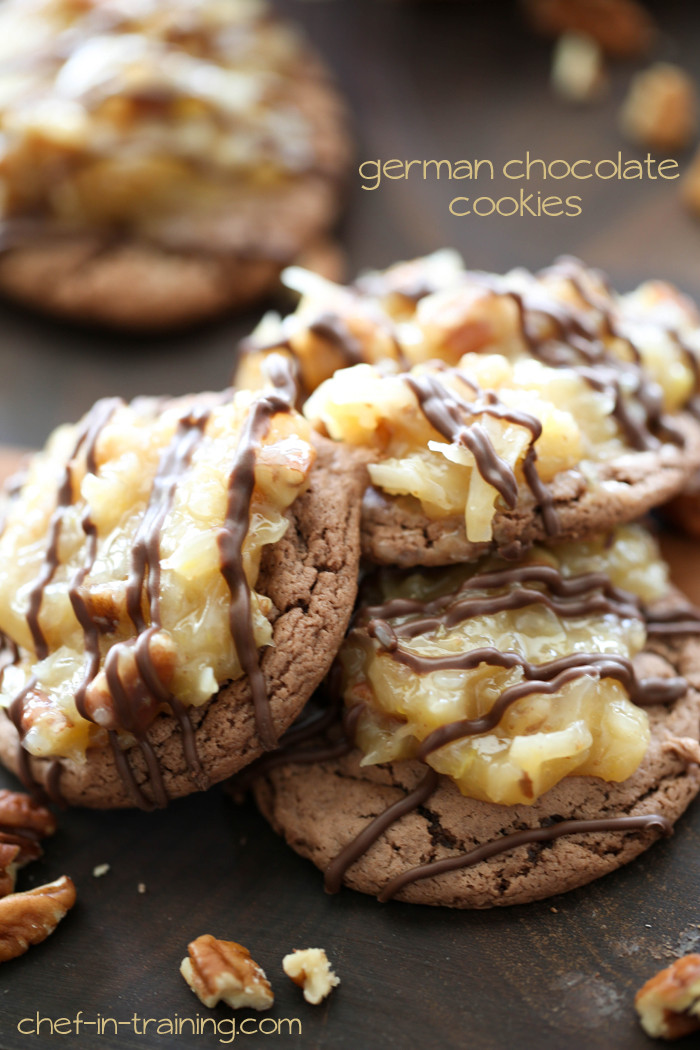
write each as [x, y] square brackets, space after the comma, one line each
[432, 80]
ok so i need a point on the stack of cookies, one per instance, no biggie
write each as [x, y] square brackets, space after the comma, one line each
[509, 707]
[519, 680]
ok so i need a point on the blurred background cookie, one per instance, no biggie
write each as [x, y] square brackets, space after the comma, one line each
[160, 162]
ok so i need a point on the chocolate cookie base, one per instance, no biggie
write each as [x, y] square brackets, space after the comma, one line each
[311, 577]
[320, 808]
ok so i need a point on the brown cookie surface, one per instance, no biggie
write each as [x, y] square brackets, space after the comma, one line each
[321, 807]
[310, 575]
[395, 531]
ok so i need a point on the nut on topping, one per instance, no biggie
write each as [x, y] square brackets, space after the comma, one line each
[669, 1003]
[310, 969]
[225, 970]
[100, 705]
[30, 917]
[683, 747]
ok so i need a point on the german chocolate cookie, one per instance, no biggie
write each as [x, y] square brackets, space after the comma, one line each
[510, 733]
[160, 163]
[497, 411]
[175, 580]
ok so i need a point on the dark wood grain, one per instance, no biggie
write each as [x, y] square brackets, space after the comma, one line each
[424, 80]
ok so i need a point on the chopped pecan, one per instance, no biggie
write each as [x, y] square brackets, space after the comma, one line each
[143, 705]
[30, 917]
[37, 708]
[684, 747]
[669, 1003]
[310, 969]
[225, 970]
[106, 603]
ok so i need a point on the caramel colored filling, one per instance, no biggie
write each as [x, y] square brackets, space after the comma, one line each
[508, 679]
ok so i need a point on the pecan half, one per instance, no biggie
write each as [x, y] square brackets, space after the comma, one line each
[30, 917]
[225, 970]
[310, 969]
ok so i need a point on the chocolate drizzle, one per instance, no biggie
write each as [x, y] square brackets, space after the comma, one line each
[15, 713]
[87, 434]
[230, 542]
[445, 411]
[675, 622]
[334, 329]
[582, 348]
[584, 595]
[545, 679]
[296, 752]
[333, 875]
[549, 833]
[145, 550]
[133, 704]
[589, 594]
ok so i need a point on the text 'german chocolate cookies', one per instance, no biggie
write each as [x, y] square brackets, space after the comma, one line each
[160, 161]
[497, 411]
[511, 730]
[175, 580]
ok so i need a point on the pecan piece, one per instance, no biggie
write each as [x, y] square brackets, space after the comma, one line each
[138, 702]
[30, 917]
[23, 823]
[684, 747]
[310, 969]
[8, 867]
[669, 1003]
[20, 812]
[225, 970]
